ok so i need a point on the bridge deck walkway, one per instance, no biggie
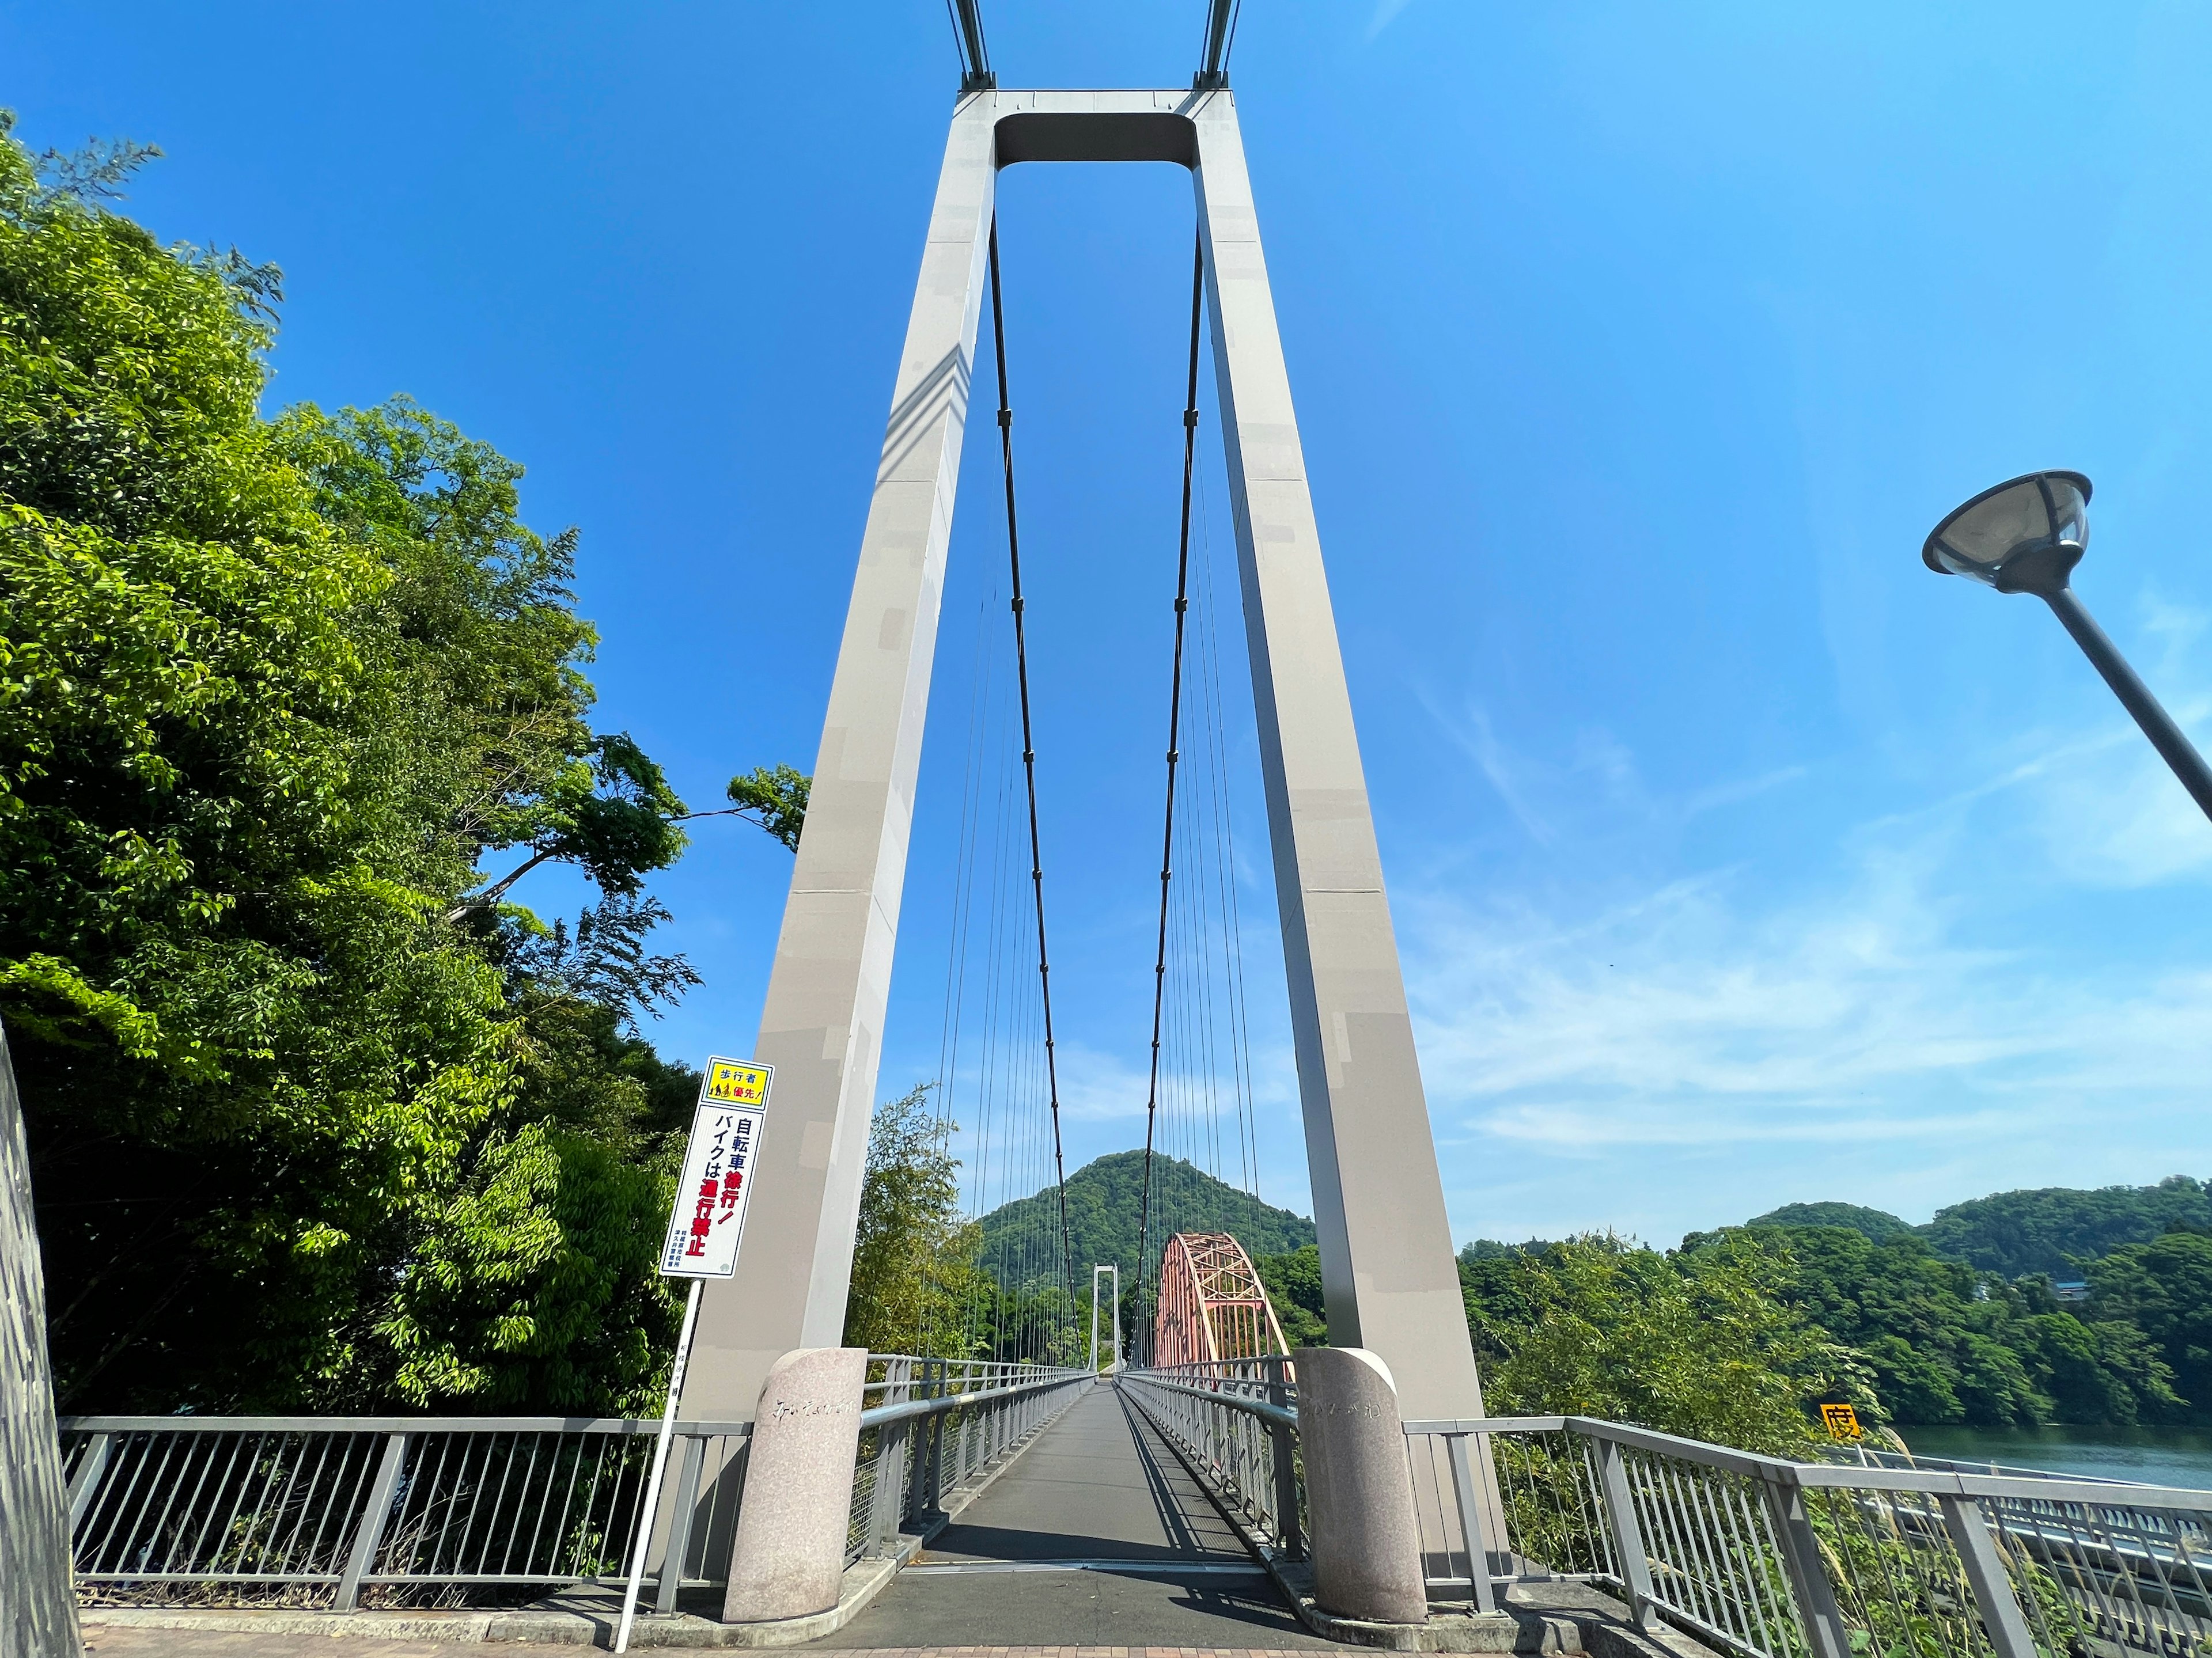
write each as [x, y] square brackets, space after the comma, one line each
[1097, 1536]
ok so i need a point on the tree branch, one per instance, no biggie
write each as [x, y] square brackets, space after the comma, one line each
[491, 893]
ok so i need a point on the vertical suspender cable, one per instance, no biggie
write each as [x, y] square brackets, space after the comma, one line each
[1028, 751]
[1174, 717]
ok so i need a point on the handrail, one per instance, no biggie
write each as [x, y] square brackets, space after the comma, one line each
[1834, 1476]
[1281, 1415]
[905, 1410]
[190, 1423]
[391, 1425]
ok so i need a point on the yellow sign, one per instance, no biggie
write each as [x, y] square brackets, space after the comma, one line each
[1842, 1422]
[736, 1082]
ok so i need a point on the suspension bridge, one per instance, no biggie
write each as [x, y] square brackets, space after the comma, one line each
[1219, 1491]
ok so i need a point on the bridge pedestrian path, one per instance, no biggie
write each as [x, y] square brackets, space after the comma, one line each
[1096, 1536]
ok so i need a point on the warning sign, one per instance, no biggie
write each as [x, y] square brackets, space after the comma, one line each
[710, 1217]
[1842, 1422]
[737, 1082]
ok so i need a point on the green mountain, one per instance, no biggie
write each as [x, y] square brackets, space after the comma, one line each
[1875, 1224]
[1102, 1203]
[2036, 1231]
[2047, 1229]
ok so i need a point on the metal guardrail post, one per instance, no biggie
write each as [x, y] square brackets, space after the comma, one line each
[1986, 1576]
[892, 1485]
[915, 1476]
[1290, 1536]
[373, 1520]
[84, 1483]
[933, 1447]
[1627, 1532]
[1469, 1499]
[1809, 1576]
[679, 1525]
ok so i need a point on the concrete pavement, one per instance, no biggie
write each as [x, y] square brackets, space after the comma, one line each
[1096, 1538]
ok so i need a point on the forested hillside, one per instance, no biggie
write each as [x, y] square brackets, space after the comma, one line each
[1955, 1321]
[320, 1117]
[1874, 1224]
[2051, 1229]
[1958, 1320]
[1947, 1343]
[1103, 1198]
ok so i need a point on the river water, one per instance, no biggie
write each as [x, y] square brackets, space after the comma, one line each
[2150, 1456]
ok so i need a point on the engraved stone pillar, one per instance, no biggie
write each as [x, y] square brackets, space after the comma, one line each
[1359, 1492]
[789, 1556]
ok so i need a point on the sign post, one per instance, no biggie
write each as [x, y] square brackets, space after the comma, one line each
[704, 1228]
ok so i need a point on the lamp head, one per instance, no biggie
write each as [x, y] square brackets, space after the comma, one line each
[2024, 535]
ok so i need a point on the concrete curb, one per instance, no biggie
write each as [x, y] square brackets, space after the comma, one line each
[862, 1582]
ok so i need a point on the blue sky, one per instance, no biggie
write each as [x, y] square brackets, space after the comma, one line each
[1736, 858]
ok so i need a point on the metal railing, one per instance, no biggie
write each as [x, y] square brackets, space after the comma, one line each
[328, 1511]
[1237, 1420]
[939, 1425]
[334, 1505]
[1758, 1555]
[1767, 1557]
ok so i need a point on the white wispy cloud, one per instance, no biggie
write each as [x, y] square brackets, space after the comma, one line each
[1555, 797]
[1880, 991]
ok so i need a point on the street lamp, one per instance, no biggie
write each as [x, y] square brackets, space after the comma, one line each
[2026, 536]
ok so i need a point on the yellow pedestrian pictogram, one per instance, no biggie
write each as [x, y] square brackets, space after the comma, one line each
[736, 1082]
[1842, 1422]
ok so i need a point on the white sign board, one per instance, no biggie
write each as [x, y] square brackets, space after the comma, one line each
[710, 1215]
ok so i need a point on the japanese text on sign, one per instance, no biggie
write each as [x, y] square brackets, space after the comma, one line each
[1842, 1422]
[710, 1215]
[734, 1082]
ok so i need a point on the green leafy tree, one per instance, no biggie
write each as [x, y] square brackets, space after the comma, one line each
[1294, 1283]
[914, 1283]
[2163, 1289]
[1699, 1343]
[775, 797]
[318, 1117]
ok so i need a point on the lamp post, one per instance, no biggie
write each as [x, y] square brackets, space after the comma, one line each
[2025, 536]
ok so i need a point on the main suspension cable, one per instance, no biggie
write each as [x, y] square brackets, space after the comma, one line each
[1174, 719]
[1029, 751]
